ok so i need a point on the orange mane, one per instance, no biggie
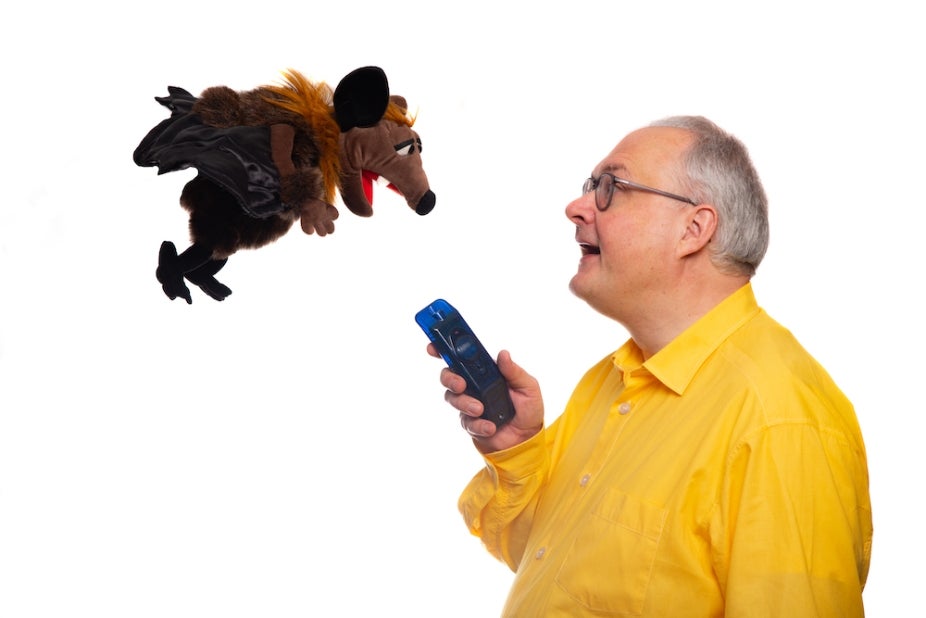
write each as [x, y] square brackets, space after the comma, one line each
[314, 103]
[398, 115]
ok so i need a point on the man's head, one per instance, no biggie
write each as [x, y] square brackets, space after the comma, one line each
[717, 170]
[686, 213]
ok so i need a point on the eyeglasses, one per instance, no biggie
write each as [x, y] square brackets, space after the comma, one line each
[603, 186]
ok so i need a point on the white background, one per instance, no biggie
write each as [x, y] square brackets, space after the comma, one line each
[288, 449]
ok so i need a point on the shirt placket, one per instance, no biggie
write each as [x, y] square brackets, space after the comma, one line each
[621, 410]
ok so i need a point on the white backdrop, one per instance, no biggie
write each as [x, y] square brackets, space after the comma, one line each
[289, 450]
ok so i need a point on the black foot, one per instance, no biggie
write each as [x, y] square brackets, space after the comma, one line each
[168, 273]
[204, 277]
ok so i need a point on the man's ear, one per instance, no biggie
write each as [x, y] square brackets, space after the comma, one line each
[700, 226]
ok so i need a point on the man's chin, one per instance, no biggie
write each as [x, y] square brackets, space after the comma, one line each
[575, 286]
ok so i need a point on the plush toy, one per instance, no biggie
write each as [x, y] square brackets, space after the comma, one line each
[274, 155]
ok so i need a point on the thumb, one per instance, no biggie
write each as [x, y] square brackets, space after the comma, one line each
[517, 378]
[526, 397]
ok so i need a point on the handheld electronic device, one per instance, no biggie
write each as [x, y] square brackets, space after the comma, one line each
[466, 356]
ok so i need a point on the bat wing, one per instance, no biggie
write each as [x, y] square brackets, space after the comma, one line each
[238, 159]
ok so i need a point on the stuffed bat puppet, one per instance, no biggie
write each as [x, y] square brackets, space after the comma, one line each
[270, 156]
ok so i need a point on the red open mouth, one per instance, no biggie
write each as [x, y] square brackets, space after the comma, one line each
[368, 178]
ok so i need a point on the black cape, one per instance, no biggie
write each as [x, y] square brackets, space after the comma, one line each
[238, 159]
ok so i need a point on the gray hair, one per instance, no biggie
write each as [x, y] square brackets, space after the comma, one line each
[720, 172]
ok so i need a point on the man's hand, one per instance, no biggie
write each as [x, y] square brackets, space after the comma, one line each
[525, 395]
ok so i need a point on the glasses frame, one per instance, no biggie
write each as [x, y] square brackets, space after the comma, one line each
[591, 184]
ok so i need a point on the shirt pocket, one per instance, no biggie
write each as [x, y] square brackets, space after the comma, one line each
[609, 566]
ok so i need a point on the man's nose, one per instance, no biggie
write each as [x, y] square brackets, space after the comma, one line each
[582, 209]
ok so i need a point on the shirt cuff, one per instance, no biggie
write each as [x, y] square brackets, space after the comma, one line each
[513, 464]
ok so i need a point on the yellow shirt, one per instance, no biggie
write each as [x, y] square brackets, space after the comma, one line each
[724, 476]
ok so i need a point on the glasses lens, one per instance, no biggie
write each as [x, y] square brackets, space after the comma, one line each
[588, 185]
[603, 191]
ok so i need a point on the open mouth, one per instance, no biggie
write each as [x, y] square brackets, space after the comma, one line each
[588, 249]
[368, 178]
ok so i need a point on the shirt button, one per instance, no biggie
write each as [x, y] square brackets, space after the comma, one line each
[584, 480]
[624, 408]
[540, 553]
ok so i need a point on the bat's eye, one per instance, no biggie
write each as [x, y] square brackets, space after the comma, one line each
[405, 148]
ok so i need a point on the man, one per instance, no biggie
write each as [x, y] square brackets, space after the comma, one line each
[710, 466]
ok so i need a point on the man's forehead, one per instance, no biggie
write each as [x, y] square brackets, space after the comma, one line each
[649, 146]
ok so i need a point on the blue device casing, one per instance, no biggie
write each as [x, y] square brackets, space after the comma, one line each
[467, 357]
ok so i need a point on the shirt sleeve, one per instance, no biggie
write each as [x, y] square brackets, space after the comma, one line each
[792, 532]
[498, 503]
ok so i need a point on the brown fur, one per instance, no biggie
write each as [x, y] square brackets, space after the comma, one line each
[215, 218]
[320, 142]
[218, 222]
[313, 104]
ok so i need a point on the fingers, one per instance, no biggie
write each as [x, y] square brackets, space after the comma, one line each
[326, 223]
[486, 435]
[318, 217]
[456, 394]
[470, 408]
[456, 385]
[307, 225]
[323, 228]
[477, 428]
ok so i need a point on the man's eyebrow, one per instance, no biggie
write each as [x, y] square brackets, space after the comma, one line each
[611, 168]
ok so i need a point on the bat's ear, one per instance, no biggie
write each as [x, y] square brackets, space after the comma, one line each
[361, 98]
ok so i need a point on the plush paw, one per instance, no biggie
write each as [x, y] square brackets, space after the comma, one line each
[204, 277]
[318, 216]
[169, 275]
[175, 287]
[212, 287]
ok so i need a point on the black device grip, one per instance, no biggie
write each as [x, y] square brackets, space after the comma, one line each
[466, 356]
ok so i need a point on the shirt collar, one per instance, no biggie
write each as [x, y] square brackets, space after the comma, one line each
[676, 364]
